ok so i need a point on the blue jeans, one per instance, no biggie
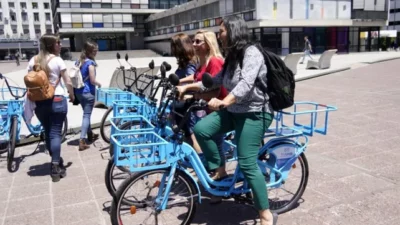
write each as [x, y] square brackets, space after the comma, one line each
[87, 103]
[51, 114]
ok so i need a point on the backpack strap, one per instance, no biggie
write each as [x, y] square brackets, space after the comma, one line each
[59, 77]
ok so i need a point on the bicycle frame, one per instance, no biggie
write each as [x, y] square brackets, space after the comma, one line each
[184, 150]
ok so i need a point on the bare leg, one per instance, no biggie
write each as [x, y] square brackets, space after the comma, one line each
[266, 217]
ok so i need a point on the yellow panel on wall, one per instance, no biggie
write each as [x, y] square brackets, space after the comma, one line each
[206, 23]
[77, 25]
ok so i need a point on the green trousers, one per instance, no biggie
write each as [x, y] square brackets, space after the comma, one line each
[249, 130]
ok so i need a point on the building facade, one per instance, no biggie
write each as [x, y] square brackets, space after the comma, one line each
[22, 22]
[280, 25]
[113, 24]
[394, 18]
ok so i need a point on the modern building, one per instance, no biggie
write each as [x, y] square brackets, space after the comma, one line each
[114, 24]
[21, 23]
[280, 25]
[394, 18]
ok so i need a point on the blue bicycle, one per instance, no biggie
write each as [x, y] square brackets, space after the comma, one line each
[160, 181]
[11, 112]
[145, 93]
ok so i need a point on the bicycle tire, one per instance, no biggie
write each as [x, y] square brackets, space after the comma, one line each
[109, 176]
[103, 124]
[11, 146]
[124, 187]
[300, 191]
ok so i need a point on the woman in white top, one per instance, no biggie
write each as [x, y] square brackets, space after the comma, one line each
[52, 113]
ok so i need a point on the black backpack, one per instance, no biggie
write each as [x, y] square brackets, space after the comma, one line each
[279, 83]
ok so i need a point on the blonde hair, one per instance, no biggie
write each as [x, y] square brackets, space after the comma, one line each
[87, 50]
[47, 43]
[211, 39]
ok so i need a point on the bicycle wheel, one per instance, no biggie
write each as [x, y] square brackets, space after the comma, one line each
[112, 179]
[64, 130]
[104, 134]
[144, 207]
[11, 146]
[293, 184]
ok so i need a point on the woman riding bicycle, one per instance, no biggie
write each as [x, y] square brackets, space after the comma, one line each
[210, 61]
[245, 110]
[52, 113]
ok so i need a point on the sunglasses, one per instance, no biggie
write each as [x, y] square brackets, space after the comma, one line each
[197, 41]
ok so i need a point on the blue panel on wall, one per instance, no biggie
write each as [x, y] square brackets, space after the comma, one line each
[307, 8]
[102, 45]
[98, 25]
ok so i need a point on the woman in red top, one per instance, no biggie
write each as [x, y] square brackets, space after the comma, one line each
[210, 61]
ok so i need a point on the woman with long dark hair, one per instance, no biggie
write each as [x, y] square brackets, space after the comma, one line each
[52, 112]
[245, 109]
[86, 94]
[182, 49]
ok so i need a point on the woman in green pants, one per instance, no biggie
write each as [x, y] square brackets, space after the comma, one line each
[246, 110]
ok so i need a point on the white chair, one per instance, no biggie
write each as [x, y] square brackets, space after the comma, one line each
[292, 60]
[324, 61]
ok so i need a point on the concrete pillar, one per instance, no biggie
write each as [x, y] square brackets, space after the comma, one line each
[79, 41]
[128, 41]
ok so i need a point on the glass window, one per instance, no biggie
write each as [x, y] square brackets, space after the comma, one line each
[46, 5]
[23, 5]
[34, 5]
[97, 18]
[106, 5]
[76, 18]
[87, 18]
[86, 5]
[36, 16]
[66, 18]
[48, 17]
[13, 17]
[107, 18]
[127, 18]
[117, 18]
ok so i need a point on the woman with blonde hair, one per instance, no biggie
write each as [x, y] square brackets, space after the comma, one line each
[210, 61]
[86, 94]
[52, 112]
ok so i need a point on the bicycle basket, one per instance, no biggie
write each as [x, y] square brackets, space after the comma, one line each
[305, 118]
[129, 124]
[127, 108]
[141, 151]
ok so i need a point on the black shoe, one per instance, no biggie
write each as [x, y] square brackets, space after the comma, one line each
[56, 172]
[63, 168]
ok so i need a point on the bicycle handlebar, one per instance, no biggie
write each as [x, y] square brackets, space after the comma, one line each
[24, 90]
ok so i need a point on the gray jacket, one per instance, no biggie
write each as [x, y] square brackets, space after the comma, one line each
[249, 98]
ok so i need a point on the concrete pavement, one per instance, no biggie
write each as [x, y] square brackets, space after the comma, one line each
[354, 170]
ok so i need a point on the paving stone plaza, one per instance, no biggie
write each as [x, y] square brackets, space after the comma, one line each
[354, 170]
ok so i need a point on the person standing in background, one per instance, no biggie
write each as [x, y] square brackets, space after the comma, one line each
[17, 55]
